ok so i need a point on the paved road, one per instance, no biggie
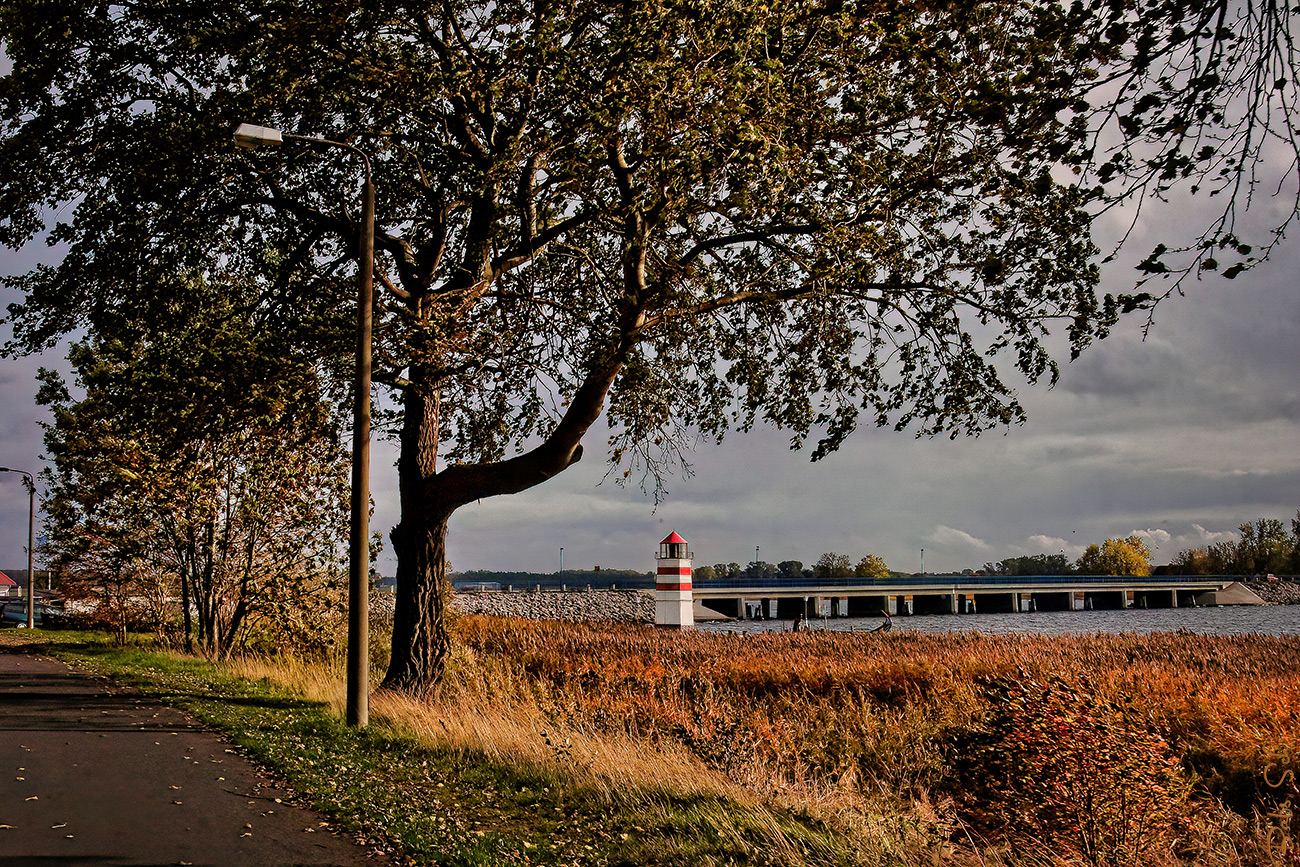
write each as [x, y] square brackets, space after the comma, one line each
[93, 775]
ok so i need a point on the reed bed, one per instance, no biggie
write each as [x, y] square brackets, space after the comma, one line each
[909, 748]
[1196, 740]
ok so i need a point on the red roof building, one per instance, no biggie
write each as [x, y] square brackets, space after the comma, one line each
[8, 586]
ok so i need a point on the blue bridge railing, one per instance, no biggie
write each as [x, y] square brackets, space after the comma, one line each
[962, 581]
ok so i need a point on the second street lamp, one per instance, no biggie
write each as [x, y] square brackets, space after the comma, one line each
[358, 698]
[30, 481]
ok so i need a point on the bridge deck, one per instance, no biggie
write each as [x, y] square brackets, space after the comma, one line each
[948, 584]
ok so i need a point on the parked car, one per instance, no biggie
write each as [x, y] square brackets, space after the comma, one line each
[45, 616]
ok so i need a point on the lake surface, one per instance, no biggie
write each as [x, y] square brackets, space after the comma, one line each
[1235, 620]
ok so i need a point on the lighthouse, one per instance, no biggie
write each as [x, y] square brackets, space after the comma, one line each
[674, 603]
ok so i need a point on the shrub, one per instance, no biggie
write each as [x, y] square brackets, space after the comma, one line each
[1055, 763]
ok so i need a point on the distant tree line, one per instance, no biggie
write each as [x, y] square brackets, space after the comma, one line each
[1127, 556]
[1264, 547]
[828, 565]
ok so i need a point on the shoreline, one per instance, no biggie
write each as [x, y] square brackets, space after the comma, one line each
[637, 605]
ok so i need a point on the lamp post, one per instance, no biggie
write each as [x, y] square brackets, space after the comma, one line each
[30, 481]
[249, 136]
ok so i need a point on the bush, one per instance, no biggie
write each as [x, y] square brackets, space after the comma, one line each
[1054, 763]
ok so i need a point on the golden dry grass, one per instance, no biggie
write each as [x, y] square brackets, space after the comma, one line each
[855, 730]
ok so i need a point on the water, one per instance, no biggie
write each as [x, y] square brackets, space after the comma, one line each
[1234, 620]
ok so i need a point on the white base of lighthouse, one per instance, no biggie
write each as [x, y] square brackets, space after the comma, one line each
[675, 608]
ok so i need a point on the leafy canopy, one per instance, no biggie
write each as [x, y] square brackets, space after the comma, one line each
[198, 464]
[809, 214]
[1128, 556]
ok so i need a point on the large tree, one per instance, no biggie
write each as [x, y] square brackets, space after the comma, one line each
[1128, 556]
[689, 215]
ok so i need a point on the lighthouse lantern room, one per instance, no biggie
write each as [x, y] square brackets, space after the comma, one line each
[674, 601]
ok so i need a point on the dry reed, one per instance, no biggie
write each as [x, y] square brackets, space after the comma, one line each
[856, 731]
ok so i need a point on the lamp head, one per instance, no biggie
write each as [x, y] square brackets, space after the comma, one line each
[249, 136]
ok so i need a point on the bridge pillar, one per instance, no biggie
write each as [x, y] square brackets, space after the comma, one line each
[674, 601]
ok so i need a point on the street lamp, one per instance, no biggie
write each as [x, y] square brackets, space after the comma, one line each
[248, 136]
[30, 482]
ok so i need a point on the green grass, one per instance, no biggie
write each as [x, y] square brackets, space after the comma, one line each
[445, 807]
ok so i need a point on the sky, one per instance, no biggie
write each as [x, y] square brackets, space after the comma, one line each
[1177, 437]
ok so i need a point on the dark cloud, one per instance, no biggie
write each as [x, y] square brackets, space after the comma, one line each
[1127, 367]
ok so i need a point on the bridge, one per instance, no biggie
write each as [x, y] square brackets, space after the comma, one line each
[786, 598]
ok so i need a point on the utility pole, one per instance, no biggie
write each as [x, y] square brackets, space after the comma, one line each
[30, 481]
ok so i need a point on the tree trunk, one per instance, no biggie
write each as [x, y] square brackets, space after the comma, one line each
[185, 609]
[420, 641]
[428, 499]
[420, 542]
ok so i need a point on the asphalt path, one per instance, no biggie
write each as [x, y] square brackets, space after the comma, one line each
[92, 774]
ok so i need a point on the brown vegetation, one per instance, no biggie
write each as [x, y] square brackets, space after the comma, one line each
[1009, 749]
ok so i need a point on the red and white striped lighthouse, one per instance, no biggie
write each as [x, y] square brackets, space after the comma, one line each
[674, 602]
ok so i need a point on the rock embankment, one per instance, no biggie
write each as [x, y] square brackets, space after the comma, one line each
[637, 606]
[1277, 592]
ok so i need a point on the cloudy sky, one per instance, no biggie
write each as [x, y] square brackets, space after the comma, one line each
[1178, 437]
